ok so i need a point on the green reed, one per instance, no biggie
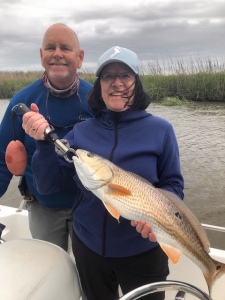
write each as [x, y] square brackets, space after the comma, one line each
[197, 80]
[194, 87]
[12, 82]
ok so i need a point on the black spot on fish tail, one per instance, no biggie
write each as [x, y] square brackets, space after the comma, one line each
[178, 215]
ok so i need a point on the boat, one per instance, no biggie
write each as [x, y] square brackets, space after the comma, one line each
[38, 270]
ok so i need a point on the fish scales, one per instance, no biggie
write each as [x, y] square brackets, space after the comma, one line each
[128, 195]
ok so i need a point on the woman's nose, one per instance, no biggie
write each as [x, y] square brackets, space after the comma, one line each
[117, 80]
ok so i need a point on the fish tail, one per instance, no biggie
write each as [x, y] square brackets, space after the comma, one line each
[217, 272]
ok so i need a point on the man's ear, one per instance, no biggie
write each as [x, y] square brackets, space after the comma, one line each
[81, 58]
[41, 55]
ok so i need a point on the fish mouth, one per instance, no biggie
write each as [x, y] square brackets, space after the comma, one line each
[80, 161]
[77, 156]
[87, 153]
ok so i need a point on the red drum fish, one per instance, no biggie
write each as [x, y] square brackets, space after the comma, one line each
[128, 195]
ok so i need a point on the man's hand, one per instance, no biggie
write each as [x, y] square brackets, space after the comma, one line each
[34, 123]
[144, 229]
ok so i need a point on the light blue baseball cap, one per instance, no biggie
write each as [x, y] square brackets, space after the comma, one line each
[118, 54]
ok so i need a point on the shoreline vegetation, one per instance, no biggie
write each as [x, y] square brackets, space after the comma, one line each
[171, 84]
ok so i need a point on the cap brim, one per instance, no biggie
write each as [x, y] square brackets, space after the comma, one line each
[99, 70]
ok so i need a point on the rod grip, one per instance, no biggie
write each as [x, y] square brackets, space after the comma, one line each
[22, 108]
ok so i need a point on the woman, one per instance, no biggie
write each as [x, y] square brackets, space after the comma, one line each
[109, 254]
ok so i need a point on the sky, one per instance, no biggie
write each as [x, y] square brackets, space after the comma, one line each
[156, 30]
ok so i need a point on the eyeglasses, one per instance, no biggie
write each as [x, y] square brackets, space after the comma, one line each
[124, 77]
[61, 126]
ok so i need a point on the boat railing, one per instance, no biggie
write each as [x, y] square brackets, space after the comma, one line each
[213, 227]
[181, 287]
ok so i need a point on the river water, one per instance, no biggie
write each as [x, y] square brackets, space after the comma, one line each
[200, 131]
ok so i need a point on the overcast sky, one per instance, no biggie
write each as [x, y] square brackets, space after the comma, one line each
[154, 29]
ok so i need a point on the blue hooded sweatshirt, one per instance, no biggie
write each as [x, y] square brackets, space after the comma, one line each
[136, 141]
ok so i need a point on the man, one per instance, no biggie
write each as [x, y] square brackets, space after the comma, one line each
[61, 98]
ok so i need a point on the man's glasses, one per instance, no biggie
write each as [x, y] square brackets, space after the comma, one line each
[124, 77]
[63, 126]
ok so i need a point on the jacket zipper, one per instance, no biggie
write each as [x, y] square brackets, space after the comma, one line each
[111, 159]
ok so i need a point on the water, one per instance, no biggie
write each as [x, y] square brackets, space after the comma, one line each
[201, 139]
[3, 105]
[200, 133]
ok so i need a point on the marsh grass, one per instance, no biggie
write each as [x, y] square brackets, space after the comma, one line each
[194, 87]
[197, 80]
[172, 101]
[12, 82]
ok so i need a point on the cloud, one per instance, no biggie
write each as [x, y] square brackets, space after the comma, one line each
[152, 28]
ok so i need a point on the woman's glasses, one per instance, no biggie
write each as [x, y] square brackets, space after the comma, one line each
[124, 77]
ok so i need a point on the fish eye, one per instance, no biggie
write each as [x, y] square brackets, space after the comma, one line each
[89, 154]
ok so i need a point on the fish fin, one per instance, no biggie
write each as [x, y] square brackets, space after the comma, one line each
[112, 210]
[173, 253]
[117, 190]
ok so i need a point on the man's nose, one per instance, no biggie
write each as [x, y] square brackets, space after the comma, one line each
[58, 52]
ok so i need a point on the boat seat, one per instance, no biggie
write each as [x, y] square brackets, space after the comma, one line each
[37, 270]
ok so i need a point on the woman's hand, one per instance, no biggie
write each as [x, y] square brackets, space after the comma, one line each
[144, 229]
[34, 123]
